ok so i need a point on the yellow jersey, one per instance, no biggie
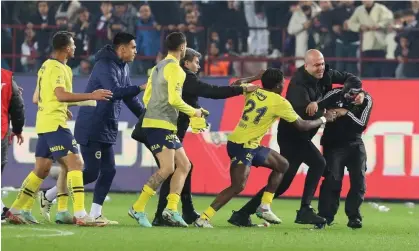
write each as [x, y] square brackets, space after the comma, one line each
[260, 112]
[52, 113]
[163, 95]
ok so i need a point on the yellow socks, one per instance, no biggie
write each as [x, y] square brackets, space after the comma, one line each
[29, 204]
[76, 189]
[172, 201]
[62, 201]
[267, 198]
[208, 214]
[146, 194]
[27, 191]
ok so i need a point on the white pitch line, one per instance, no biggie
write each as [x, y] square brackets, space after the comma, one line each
[55, 232]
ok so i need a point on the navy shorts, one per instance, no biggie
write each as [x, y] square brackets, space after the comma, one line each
[247, 156]
[56, 144]
[158, 139]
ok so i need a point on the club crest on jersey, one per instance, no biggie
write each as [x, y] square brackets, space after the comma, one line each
[98, 154]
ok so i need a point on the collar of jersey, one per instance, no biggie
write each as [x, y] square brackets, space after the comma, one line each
[172, 57]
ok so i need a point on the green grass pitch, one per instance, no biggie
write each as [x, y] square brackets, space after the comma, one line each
[397, 229]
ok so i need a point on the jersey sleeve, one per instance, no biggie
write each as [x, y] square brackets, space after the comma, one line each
[57, 77]
[175, 77]
[284, 110]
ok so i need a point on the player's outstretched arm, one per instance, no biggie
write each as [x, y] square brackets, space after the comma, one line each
[249, 79]
[64, 96]
[194, 86]
[108, 79]
[306, 125]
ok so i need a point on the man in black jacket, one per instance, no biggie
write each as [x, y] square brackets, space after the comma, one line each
[192, 89]
[307, 87]
[343, 146]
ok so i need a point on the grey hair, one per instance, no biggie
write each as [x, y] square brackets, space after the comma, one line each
[189, 56]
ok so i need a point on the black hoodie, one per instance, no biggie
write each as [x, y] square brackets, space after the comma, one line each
[304, 89]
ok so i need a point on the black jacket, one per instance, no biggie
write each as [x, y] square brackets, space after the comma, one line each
[193, 88]
[304, 89]
[348, 128]
[16, 110]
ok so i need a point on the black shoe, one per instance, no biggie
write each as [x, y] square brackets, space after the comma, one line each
[190, 217]
[160, 222]
[323, 225]
[354, 223]
[240, 220]
[306, 215]
[3, 214]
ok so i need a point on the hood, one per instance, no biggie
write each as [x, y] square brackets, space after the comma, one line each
[109, 53]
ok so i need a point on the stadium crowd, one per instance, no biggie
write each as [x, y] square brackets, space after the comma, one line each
[343, 29]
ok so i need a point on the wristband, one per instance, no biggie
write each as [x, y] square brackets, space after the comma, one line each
[323, 119]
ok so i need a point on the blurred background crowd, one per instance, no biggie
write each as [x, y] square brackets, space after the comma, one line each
[369, 38]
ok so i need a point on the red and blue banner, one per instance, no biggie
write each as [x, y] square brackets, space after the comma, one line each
[391, 139]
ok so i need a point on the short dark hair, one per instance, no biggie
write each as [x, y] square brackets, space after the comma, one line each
[122, 38]
[61, 39]
[174, 40]
[271, 77]
[190, 54]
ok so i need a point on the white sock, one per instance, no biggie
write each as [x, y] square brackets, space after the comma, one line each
[2, 205]
[96, 210]
[80, 214]
[51, 194]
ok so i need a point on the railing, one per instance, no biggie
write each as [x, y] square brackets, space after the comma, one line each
[15, 29]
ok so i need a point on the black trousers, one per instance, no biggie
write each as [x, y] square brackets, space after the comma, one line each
[296, 152]
[354, 157]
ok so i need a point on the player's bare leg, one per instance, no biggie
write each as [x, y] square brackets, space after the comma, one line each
[166, 159]
[73, 164]
[239, 174]
[278, 165]
[183, 166]
[29, 188]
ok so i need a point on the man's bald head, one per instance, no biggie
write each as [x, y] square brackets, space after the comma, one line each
[314, 63]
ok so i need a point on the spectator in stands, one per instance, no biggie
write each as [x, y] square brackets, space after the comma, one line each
[217, 68]
[148, 38]
[70, 9]
[391, 42]
[99, 28]
[195, 37]
[167, 13]
[323, 25]
[415, 8]
[372, 19]
[43, 17]
[347, 41]
[300, 26]
[278, 14]
[127, 13]
[410, 35]
[29, 51]
[84, 69]
[258, 40]
[81, 30]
